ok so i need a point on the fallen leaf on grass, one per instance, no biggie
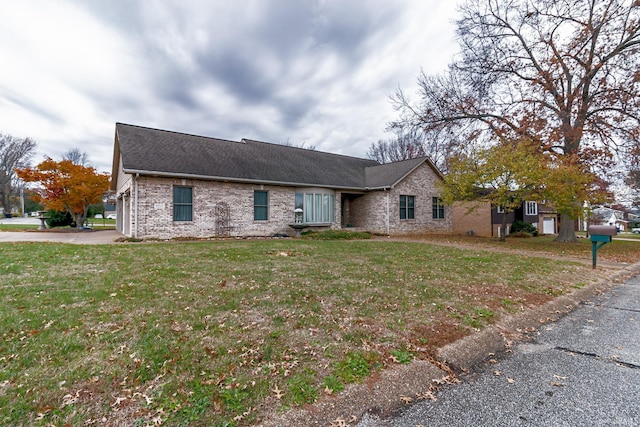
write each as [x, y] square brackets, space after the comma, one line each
[278, 393]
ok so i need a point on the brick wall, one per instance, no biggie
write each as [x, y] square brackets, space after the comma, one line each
[155, 209]
[370, 210]
[367, 211]
[472, 216]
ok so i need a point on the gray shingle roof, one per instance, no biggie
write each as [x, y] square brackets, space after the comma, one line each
[158, 152]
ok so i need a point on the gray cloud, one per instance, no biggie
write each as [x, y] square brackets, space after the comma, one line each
[316, 71]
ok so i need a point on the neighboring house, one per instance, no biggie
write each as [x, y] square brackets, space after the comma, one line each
[483, 219]
[171, 184]
[620, 217]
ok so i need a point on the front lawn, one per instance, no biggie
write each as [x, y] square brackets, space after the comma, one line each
[228, 333]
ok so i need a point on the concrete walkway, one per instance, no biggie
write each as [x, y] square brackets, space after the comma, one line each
[94, 237]
[83, 238]
[99, 237]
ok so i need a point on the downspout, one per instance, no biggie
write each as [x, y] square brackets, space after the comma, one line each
[135, 206]
[388, 219]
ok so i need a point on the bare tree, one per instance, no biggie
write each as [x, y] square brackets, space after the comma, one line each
[562, 73]
[77, 157]
[289, 143]
[403, 147]
[14, 153]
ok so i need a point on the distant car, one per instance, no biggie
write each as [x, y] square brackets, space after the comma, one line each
[635, 230]
[98, 216]
[111, 216]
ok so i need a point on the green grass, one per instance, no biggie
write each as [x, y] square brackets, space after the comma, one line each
[627, 250]
[219, 333]
[18, 227]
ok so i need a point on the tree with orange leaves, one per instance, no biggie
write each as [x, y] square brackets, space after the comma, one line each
[66, 186]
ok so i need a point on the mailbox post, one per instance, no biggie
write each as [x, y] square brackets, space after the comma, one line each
[600, 236]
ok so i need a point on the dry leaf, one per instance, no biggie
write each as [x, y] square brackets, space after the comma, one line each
[429, 395]
[339, 422]
[406, 399]
[278, 393]
[497, 373]
[511, 381]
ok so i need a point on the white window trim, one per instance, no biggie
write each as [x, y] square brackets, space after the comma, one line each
[534, 211]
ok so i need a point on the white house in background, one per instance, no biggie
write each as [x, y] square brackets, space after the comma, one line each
[604, 215]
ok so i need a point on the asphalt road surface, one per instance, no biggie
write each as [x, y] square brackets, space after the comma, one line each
[583, 370]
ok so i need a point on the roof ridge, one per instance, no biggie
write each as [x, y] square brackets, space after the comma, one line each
[308, 149]
[178, 132]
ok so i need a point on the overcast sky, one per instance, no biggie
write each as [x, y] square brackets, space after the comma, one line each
[317, 72]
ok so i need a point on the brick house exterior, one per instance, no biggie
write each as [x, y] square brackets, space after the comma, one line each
[172, 185]
[482, 219]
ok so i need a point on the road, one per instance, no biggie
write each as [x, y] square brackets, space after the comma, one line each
[583, 370]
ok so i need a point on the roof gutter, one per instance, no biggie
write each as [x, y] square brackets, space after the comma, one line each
[139, 172]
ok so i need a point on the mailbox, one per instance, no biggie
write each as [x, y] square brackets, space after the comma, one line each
[601, 234]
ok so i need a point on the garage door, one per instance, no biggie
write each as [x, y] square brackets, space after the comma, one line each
[549, 226]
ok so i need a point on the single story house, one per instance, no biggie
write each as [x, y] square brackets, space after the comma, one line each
[485, 220]
[169, 184]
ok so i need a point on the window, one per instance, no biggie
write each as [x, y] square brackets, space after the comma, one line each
[407, 207]
[182, 203]
[500, 209]
[531, 208]
[317, 207]
[437, 210]
[260, 205]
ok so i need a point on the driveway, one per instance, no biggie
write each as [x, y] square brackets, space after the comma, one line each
[95, 237]
[583, 370]
[98, 237]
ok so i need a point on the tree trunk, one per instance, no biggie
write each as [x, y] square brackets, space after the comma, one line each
[567, 232]
[503, 234]
[5, 196]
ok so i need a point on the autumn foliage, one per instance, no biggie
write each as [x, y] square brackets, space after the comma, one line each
[66, 186]
[560, 73]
